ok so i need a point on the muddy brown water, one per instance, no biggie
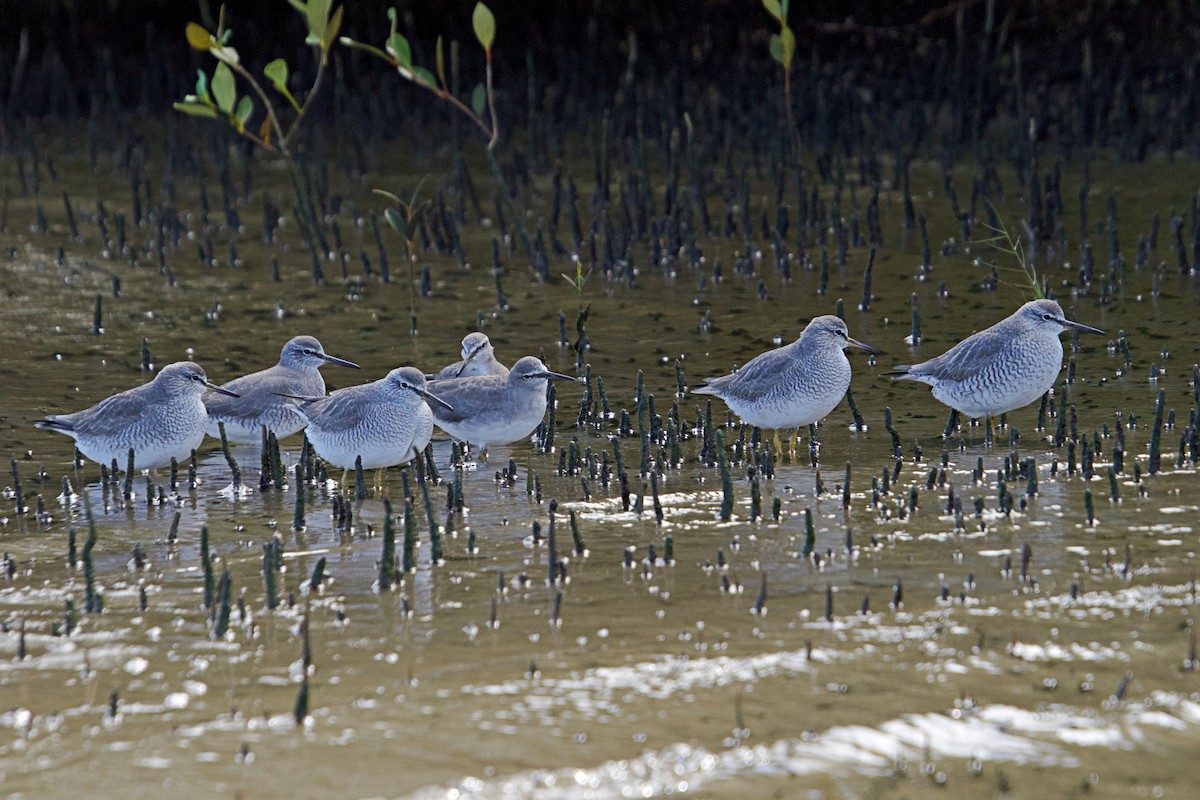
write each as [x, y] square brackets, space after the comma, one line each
[651, 678]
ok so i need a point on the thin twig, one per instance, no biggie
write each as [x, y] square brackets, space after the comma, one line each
[270, 107]
[307, 100]
[491, 97]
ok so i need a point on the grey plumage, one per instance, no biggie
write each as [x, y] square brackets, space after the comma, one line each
[262, 395]
[494, 409]
[1001, 368]
[478, 358]
[794, 385]
[385, 422]
[159, 420]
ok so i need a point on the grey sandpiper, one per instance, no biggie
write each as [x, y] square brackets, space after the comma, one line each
[794, 385]
[494, 409]
[1001, 368]
[159, 420]
[261, 397]
[385, 422]
[478, 358]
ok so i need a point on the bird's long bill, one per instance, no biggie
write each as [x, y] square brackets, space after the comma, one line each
[861, 346]
[435, 399]
[470, 357]
[219, 390]
[558, 376]
[1079, 326]
[341, 362]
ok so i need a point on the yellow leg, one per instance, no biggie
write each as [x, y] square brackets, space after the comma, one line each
[790, 440]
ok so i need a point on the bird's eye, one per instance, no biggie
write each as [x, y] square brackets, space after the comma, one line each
[1048, 317]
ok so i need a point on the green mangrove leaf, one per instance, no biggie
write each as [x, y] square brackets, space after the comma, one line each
[198, 37]
[196, 109]
[412, 203]
[372, 49]
[787, 48]
[277, 72]
[485, 26]
[396, 221]
[479, 100]
[388, 195]
[317, 12]
[331, 30]
[245, 109]
[773, 8]
[391, 13]
[223, 88]
[440, 60]
[202, 87]
[775, 47]
[299, 6]
[422, 75]
[399, 48]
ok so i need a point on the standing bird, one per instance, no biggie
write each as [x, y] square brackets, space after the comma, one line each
[385, 422]
[159, 420]
[478, 358]
[261, 397]
[494, 409]
[794, 385]
[1000, 368]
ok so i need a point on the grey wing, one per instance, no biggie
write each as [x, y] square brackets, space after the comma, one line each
[253, 396]
[453, 392]
[962, 360]
[753, 378]
[109, 416]
[340, 411]
[450, 371]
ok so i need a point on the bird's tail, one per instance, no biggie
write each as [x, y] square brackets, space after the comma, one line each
[54, 424]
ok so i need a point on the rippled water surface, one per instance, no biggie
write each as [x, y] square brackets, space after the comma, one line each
[903, 650]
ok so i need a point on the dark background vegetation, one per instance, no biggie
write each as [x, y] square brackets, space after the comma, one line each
[89, 55]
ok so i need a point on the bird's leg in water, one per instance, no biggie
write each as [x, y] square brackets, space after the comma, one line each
[793, 443]
[951, 424]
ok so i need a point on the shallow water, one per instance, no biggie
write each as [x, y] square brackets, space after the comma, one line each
[1065, 677]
